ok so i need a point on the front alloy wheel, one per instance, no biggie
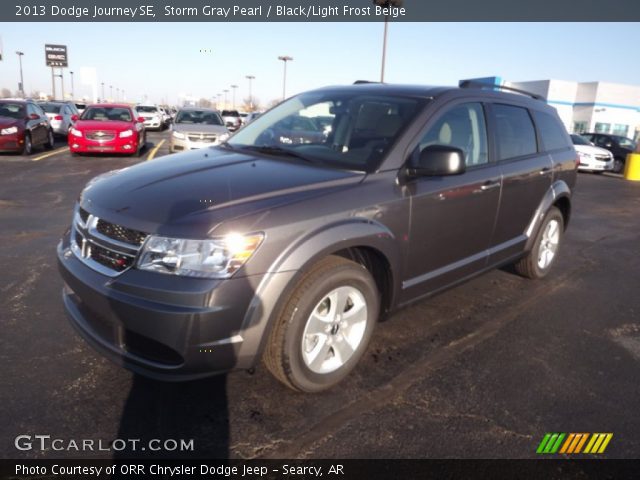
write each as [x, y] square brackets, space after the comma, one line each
[324, 327]
[538, 262]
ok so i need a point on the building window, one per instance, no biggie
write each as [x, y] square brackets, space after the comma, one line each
[603, 127]
[621, 130]
[579, 127]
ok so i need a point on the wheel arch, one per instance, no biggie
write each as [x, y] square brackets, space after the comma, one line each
[558, 195]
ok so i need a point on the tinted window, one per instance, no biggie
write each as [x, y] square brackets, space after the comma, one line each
[206, 117]
[146, 109]
[551, 131]
[579, 140]
[12, 110]
[514, 131]
[462, 127]
[51, 107]
[107, 114]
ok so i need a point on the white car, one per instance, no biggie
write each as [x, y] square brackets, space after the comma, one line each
[152, 115]
[592, 158]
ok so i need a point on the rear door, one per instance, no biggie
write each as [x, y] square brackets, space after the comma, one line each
[527, 173]
[452, 216]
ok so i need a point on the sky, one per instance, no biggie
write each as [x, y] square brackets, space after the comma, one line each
[159, 62]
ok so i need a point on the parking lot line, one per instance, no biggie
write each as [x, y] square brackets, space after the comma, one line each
[154, 150]
[50, 154]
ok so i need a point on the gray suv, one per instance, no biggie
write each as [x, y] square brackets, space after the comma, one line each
[265, 249]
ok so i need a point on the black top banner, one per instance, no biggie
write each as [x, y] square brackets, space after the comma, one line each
[319, 11]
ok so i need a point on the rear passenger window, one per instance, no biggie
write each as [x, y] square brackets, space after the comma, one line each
[514, 131]
[551, 131]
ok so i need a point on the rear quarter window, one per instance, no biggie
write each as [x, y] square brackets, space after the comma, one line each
[515, 133]
[552, 132]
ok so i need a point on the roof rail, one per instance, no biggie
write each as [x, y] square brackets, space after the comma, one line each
[361, 82]
[472, 84]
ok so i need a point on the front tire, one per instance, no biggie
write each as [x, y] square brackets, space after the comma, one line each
[50, 140]
[324, 327]
[618, 165]
[545, 249]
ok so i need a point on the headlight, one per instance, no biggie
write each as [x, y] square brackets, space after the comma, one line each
[219, 257]
[75, 132]
[179, 135]
[125, 133]
[585, 156]
[9, 131]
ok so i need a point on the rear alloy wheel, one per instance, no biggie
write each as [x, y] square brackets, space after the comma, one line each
[325, 326]
[27, 149]
[618, 165]
[50, 140]
[540, 259]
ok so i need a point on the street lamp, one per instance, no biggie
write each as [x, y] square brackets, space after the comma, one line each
[118, 93]
[226, 98]
[21, 89]
[72, 94]
[234, 95]
[385, 4]
[285, 59]
[60, 75]
[102, 92]
[250, 78]
[110, 92]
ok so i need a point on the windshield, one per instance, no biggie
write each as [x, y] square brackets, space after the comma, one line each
[51, 107]
[117, 114]
[342, 129]
[578, 140]
[205, 117]
[142, 108]
[626, 142]
[12, 110]
[230, 113]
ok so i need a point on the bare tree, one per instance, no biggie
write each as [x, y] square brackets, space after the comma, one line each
[250, 104]
[204, 103]
[6, 93]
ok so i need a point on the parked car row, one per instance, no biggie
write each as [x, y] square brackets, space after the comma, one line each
[602, 152]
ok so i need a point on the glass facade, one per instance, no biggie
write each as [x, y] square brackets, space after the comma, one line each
[579, 127]
[619, 129]
[603, 127]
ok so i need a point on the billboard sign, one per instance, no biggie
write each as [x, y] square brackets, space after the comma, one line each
[56, 55]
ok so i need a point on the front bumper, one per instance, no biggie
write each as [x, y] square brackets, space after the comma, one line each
[153, 123]
[163, 326]
[118, 145]
[183, 144]
[595, 165]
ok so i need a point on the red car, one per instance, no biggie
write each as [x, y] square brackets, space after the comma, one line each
[23, 125]
[108, 128]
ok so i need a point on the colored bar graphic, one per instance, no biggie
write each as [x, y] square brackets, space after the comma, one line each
[572, 443]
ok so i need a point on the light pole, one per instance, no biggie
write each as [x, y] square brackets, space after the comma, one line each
[21, 89]
[72, 93]
[385, 4]
[226, 99]
[118, 94]
[61, 82]
[285, 59]
[250, 78]
[102, 92]
[110, 93]
[234, 95]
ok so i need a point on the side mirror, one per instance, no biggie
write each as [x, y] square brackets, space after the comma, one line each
[74, 118]
[34, 116]
[438, 160]
[140, 119]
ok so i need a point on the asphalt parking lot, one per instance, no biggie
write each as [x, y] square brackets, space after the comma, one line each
[480, 371]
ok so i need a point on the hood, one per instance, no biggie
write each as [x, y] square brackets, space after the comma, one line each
[199, 128]
[149, 114]
[103, 125]
[188, 194]
[592, 150]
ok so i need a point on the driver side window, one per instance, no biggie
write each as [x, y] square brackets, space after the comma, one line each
[462, 127]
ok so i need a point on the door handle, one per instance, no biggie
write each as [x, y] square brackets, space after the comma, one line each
[545, 170]
[489, 186]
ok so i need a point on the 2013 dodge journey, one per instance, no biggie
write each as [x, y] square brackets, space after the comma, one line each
[286, 246]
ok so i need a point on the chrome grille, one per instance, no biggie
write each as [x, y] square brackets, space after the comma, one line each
[103, 246]
[603, 158]
[100, 135]
[202, 137]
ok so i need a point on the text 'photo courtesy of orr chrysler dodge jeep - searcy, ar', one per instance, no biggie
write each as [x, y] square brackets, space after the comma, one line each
[287, 242]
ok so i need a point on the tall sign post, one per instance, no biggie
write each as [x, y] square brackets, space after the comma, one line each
[56, 56]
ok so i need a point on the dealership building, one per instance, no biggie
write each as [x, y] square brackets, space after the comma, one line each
[587, 106]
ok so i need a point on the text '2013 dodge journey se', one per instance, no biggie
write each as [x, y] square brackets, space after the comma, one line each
[288, 245]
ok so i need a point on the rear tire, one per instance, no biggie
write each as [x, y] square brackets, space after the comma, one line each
[537, 263]
[325, 326]
[50, 140]
[27, 149]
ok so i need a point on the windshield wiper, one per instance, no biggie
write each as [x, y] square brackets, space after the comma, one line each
[279, 151]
